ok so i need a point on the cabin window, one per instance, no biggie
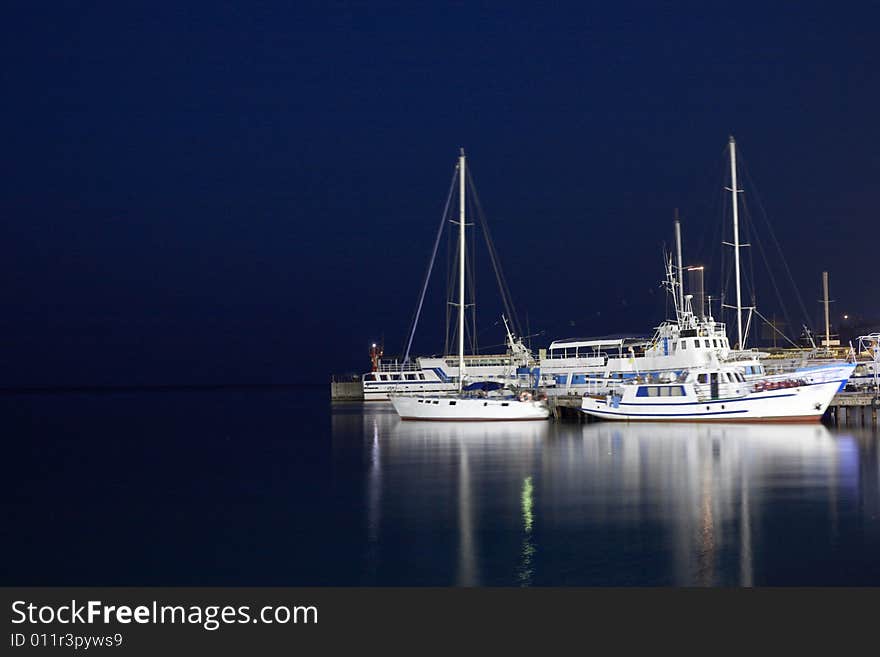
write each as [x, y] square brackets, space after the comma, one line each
[410, 377]
[684, 344]
[706, 343]
[452, 403]
[505, 404]
[664, 391]
[421, 376]
[703, 378]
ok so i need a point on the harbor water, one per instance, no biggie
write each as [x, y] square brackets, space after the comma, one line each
[276, 486]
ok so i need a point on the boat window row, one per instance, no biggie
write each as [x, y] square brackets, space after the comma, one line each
[575, 352]
[580, 379]
[408, 376]
[721, 377]
[708, 343]
[480, 362]
[660, 391]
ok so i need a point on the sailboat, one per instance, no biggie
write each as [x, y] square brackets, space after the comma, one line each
[480, 400]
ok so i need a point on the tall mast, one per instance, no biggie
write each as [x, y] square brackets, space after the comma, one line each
[680, 263]
[827, 320]
[461, 222]
[733, 192]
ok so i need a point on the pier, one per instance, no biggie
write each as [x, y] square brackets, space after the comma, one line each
[854, 409]
[346, 389]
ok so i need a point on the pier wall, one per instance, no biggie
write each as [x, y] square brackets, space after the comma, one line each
[346, 391]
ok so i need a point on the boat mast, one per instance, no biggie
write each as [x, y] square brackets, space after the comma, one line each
[733, 192]
[680, 263]
[827, 320]
[461, 220]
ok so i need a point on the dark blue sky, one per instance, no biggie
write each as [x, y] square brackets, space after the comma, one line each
[248, 192]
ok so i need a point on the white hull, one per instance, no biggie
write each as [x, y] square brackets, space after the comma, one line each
[464, 409]
[805, 403]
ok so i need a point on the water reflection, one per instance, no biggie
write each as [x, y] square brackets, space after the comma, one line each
[543, 503]
[528, 549]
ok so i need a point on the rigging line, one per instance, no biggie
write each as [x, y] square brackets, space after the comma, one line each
[704, 248]
[447, 298]
[451, 291]
[471, 270]
[418, 313]
[751, 236]
[766, 260]
[766, 219]
[504, 290]
[716, 261]
[771, 325]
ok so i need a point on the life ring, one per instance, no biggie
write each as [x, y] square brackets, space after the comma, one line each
[525, 396]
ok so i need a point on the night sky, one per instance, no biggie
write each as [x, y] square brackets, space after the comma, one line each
[248, 192]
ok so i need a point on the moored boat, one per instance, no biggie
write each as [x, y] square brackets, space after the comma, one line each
[478, 401]
[719, 394]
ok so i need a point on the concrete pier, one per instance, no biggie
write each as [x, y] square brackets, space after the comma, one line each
[346, 390]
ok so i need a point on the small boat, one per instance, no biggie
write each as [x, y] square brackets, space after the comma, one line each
[481, 400]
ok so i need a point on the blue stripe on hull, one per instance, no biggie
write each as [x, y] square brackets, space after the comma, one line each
[700, 403]
[636, 415]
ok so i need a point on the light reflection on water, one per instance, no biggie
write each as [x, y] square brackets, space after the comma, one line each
[542, 503]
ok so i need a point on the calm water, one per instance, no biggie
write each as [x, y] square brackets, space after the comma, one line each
[276, 487]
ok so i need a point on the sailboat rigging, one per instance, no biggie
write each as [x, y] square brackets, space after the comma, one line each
[478, 400]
